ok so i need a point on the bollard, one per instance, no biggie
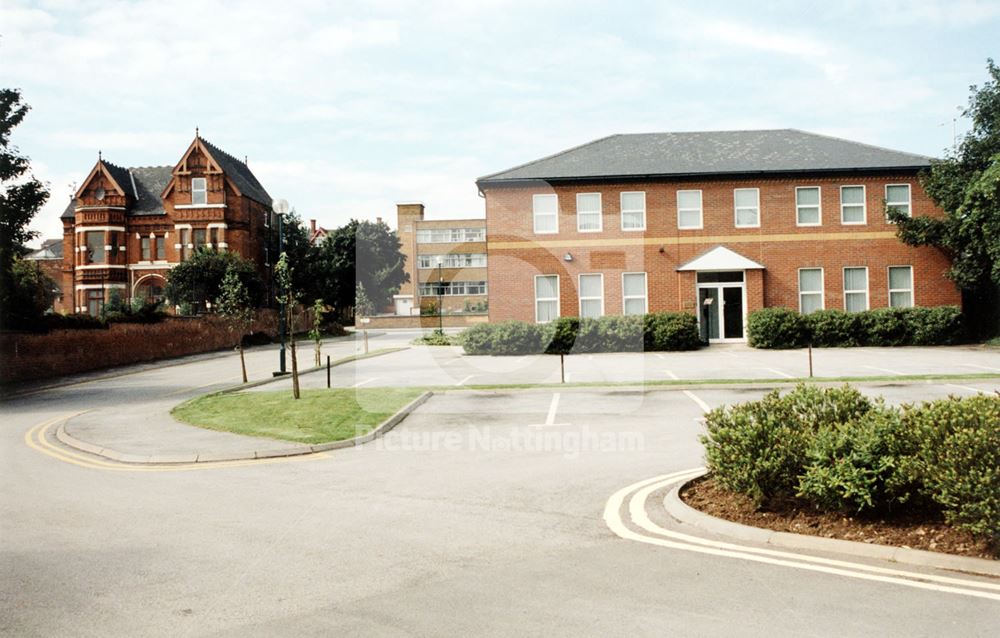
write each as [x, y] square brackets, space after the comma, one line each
[327, 372]
[562, 368]
[366, 340]
[810, 360]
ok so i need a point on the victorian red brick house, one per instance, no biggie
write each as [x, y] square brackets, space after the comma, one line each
[714, 223]
[125, 228]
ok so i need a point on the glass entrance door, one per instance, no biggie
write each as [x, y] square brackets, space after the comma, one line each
[721, 306]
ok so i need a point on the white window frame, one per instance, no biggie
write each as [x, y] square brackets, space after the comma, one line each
[822, 287]
[535, 215]
[909, 200]
[621, 201]
[645, 291]
[579, 287]
[737, 209]
[911, 289]
[700, 209]
[818, 207]
[600, 213]
[864, 205]
[203, 190]
[556, 298]
[868, 286]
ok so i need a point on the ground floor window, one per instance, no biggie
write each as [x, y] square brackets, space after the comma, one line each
[95, 302]
[634, 293]
[855, 289]
[810, 290]
[591, 295]
[900, 286]
[546, 298]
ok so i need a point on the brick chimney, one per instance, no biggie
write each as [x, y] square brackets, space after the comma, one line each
[378, 220]
[312, 226]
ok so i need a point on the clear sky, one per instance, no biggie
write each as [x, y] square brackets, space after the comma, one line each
[345, 108]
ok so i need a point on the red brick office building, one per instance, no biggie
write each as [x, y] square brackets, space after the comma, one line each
[125, 228]
[716, 223]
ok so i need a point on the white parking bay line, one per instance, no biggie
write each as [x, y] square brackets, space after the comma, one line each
[671, 375]
[550, 418]
[658, 355]
[365, 382]
[462, 382]
[884, 370]
[779, 373]
[965, 387]
[701, 404]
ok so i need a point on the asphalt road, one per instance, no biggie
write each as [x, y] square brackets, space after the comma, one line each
[481, 514]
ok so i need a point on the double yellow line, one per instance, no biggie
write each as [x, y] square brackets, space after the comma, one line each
[35, 438]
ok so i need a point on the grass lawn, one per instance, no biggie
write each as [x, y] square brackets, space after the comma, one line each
[320, 416]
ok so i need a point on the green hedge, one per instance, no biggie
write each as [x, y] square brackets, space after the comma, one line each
[655, 331]
[784, 328]
[839, 451]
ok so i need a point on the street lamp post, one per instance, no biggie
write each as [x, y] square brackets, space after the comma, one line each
[280, 208]
[440, 294]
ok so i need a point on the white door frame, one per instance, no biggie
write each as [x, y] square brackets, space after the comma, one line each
[742, 285]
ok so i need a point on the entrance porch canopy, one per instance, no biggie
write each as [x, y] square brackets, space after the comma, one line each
[720, 258]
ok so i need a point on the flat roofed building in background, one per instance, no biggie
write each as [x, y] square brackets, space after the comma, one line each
[714, 223]
[446, 260]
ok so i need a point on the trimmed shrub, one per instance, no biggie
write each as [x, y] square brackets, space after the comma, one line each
[858, 465]
[670, 331]
[72, 322]
[565, 335]
[939, 325]
[777, 328]
[958, 460]
[760, 448]
[885, 327]
[833, 328]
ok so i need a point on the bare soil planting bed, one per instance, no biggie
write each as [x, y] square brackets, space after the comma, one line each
[914, 529]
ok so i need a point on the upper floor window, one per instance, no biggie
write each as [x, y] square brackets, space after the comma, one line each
[689, 209]
[450, 235]
[900, 286]
[453, 260]
[747, 204]
[897, 197]
[199, 190]
[588, 212]
[161, 248]
[855, 289]
[452, 288]
[634, 211]
[95, 246]
[852, 205]
[807, 206]
[546, 213]
[146, 249]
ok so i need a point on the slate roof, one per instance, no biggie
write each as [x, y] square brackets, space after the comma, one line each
[149, 184]
[240, 174]
[121, 176]
[709, 153]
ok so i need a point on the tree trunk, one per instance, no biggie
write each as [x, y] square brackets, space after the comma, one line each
[295, 362]
[318, 364]
[243, 362]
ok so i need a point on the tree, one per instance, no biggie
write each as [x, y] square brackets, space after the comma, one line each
[964, 184]
[359, 252]
[198, 280]
[287, 295]
[21, 197]
[31, 295]
[234, 305]
[316, 332]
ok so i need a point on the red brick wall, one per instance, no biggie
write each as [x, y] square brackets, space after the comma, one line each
[61, 352]
[516, 253]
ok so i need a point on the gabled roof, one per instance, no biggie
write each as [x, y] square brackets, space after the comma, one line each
[50, 249]
[239, 172]
[720, 258]
[709, 153]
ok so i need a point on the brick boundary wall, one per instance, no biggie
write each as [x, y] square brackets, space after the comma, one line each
[27, 357]
[424, 321]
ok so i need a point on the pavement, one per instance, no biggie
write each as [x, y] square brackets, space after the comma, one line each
[483, 513]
